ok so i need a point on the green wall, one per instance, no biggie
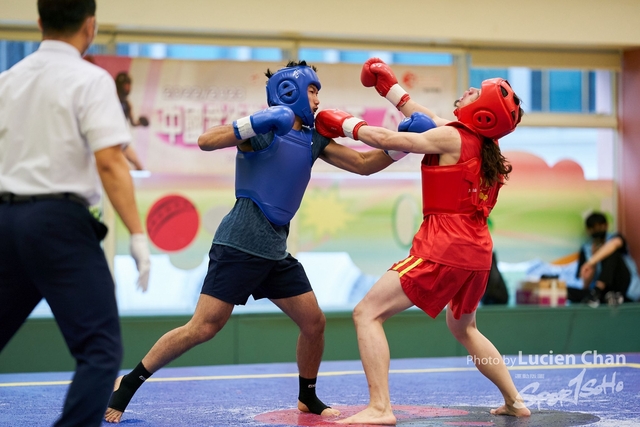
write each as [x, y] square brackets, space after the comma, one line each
[271, 337]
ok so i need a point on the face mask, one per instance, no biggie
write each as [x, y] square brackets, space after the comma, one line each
[599, 235]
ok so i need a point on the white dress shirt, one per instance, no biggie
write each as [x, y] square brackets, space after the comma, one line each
[56, 110]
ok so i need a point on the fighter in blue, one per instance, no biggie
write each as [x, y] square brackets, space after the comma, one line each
[277, 148]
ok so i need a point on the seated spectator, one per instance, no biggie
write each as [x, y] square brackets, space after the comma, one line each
[608, 273]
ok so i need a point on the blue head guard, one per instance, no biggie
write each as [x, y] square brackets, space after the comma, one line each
[288, 86]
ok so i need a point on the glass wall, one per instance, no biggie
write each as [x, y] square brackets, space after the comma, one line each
[555, 91]
[198, 52]
[13, 51]
[358, 225]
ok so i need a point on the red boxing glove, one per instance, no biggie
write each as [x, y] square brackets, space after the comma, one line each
[375, 72]
[335, 123]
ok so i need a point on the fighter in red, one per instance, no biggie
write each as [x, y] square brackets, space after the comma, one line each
[450, 259]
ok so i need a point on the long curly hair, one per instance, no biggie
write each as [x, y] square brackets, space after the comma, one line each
[496, 167]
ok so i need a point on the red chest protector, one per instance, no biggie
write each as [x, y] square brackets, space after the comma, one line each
[458, 189]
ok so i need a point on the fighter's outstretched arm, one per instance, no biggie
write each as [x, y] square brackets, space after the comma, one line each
[413, 107]
[277, 119]
[438, 140]
[376, 73]
[218, 137]
[360, 162]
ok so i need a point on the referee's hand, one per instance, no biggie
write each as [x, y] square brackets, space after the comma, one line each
[139, 248]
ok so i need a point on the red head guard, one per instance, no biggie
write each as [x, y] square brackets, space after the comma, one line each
[495, 113]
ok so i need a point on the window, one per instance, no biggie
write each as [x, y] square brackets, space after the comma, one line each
[565, 91]
[198, 52]
[477, 75]
[360, 56]
[555, 91]
[11, 52]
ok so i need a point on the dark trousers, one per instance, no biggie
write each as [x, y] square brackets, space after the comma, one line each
[613, 273]
[51, 249]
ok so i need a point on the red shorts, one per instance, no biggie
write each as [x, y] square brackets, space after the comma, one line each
[431, 286]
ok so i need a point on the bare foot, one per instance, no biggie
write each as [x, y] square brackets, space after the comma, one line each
[328, 412]
[516, 410]
[371, 416]
[113, 415]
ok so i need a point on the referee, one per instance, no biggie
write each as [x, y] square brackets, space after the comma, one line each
[62, 131]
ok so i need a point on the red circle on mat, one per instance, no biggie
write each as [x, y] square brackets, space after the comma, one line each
[293, 417]
[172, 223]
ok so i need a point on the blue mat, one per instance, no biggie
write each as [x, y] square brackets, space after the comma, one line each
[561, 390]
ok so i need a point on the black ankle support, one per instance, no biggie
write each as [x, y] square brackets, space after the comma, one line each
[130, 383]
[307, 395]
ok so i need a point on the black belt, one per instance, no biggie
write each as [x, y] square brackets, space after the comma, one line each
[15, 198]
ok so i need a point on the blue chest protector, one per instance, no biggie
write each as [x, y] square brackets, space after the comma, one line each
[276, 177]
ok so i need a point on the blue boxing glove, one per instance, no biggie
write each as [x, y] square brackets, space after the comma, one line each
[418, 123]
[279, 119]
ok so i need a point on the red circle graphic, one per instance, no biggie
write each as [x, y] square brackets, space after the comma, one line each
[293, 417]
[172, 223]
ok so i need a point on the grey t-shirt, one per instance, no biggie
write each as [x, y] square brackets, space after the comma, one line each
[246, 228]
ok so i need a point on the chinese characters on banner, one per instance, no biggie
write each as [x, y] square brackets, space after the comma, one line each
[183, 98]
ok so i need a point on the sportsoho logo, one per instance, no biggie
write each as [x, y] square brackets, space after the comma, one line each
[579, 388]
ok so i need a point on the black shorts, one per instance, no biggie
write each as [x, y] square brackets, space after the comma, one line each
[234, 275]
